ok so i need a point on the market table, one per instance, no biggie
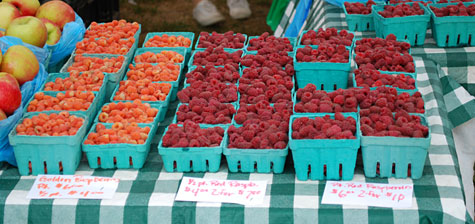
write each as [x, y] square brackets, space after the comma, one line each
[148, 194]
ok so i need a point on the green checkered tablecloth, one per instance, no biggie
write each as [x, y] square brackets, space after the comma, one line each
[147, 195]
[458, 63]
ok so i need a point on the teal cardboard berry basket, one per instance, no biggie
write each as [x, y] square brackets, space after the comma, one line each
[175, 84]
[293, 42]
[192, 159]
[192, 68]
[324, 75]
[295, 100]
[189, 35]
[48, 154]
[324, 159]
[120, 155]
[399, 90]
[411, 28]
[299, 41]
[156, 50]
[90, 113]
[228, 50]
[201, 48]
[210, 125]
[452, 31]
[154, 124]
[112, 78]
[255, 160]
[164, 104]
[101, 93]
[359, 22]
[393, 156]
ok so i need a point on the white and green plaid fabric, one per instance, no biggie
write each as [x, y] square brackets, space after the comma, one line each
[147, 195]
[458, 63]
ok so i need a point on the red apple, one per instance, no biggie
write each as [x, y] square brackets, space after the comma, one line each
[10, 94]
[54, 33]
[3, 116]
[58, 12]
[26, 7]
[29, 29]
[20, 62]
[8, 13]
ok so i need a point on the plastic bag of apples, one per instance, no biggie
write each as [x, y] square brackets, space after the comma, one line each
[15, 62]
[53, 27]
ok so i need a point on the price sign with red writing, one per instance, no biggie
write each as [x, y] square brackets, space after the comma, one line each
[73, 186]
[230, 191]
[370, 194]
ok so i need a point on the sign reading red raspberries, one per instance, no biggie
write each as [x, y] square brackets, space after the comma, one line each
[256, 134]
[324, 53]
[226, 40]
[339, 127]
[217, 57]
[390, 44]
[266, 40]
[319, 101]
[359, 8]
[191, 135]
[226, 74]
[401, 10]
[327, 36]
[373, 78]
[200, 111]
[401, 125]
[454, 10]
[213, 90]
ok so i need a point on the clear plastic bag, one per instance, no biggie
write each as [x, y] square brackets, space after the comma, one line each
[41, 53]
[27, 90]
[73, 32]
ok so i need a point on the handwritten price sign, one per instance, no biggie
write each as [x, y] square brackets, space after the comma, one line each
[73, 186]
[380, 195]
[230, 191]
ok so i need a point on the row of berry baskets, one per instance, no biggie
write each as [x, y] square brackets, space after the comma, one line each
[452, 23]
[238, 92]
[330, 158]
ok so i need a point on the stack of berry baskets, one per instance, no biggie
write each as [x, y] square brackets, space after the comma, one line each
[258, 141]
[323, 58]
[453, 29]
[373, 70]
[163, 65]
[114, 39]
[208, 103]
[113, 66]
[324, 133]
[171, 40]
[407, 21]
